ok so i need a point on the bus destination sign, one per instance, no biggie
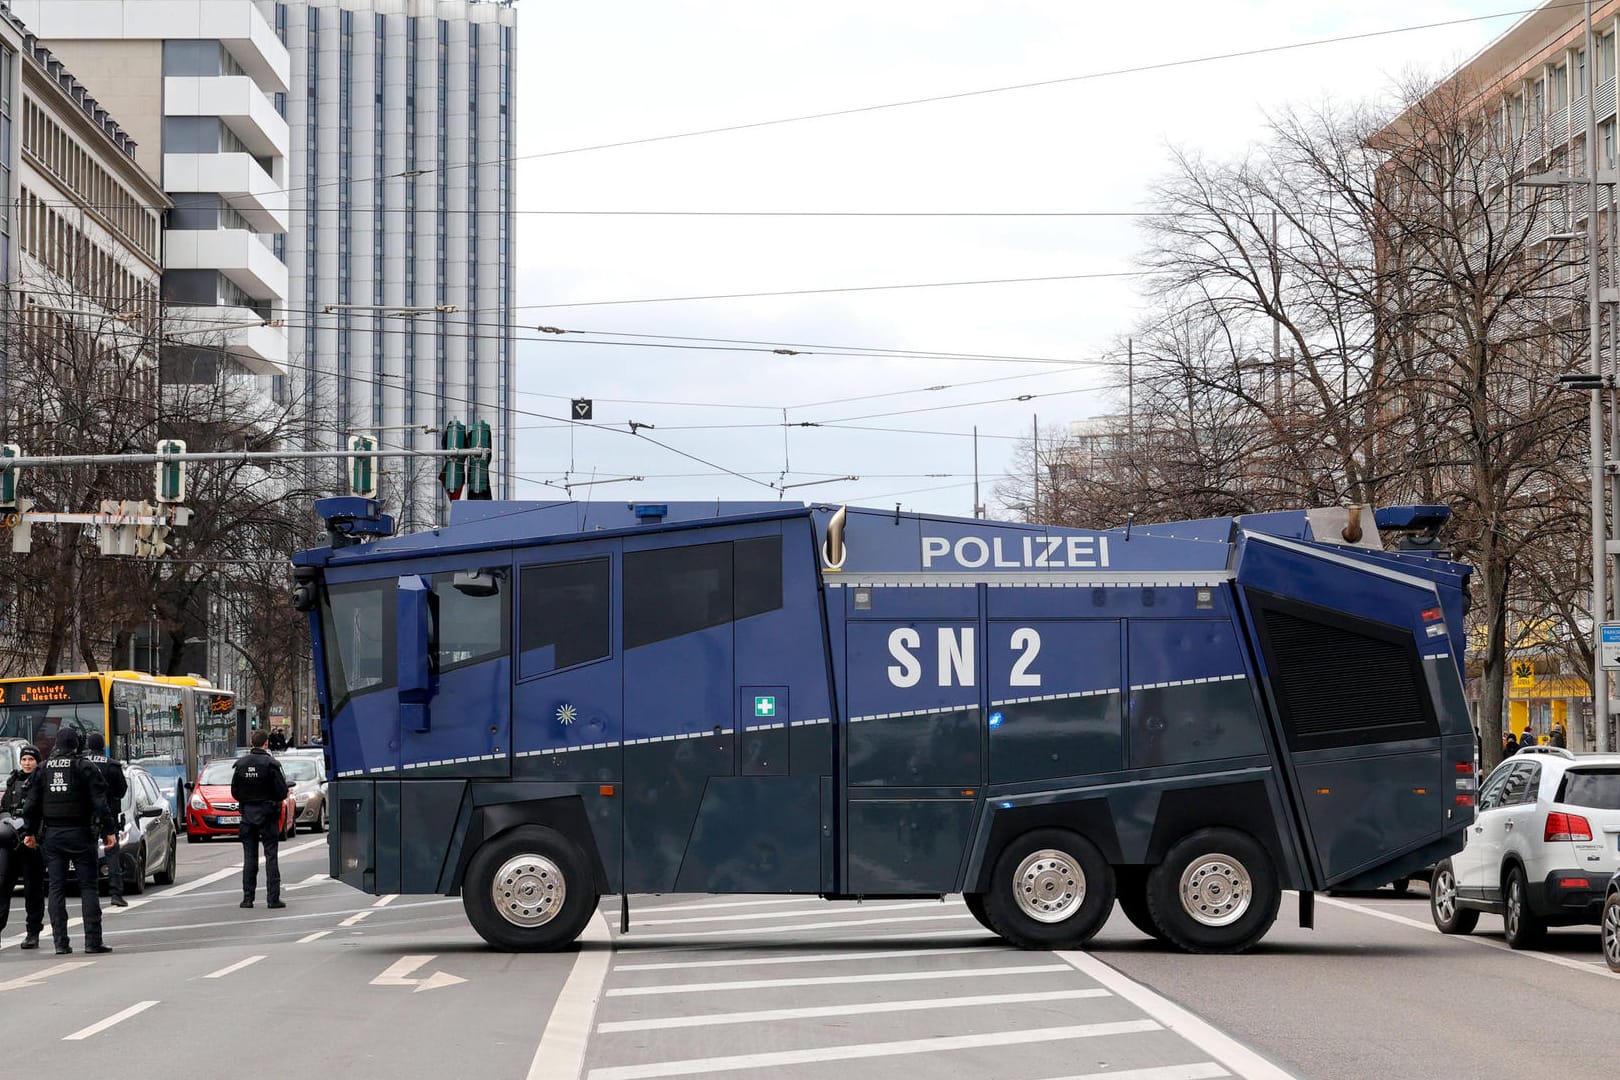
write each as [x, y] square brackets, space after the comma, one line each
[50, 692]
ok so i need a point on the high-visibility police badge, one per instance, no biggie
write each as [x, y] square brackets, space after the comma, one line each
[566, 714]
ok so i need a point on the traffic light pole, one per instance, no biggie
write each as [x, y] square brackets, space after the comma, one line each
[234, 456]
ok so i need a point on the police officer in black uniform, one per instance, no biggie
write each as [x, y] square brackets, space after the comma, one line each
[67, 801]
[18, 862]
[117, 785]
[259, 786]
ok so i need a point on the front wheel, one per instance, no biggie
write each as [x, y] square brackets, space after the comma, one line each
[1449, 916]
[135, 884]
[1610, 931]
[1520, 926]
[320, 819]
[1215, 892]
[165, 876]
[1050, 889]
[975, 906]
[529, 890]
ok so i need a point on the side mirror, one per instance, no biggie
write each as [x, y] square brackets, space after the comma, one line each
[415, 673]
[120, 721]
[148, 812]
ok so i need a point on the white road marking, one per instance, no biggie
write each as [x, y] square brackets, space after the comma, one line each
[296, 848]
[264, 919]
[813, 958]
[316, 936]
[837, 980]
[1217, 1044]
[107, 911]
[385, 901]
[238, 966]
[398, 974]
[1202, 1070]
[701, 1066]
[1528, 954]
[761, 915]
[688, 934]
[356, 917]
[860, 1008]
[206, 879]
[116, 1018]
[710, 905]
[561, 1053]
[23, 982]
[313, 879]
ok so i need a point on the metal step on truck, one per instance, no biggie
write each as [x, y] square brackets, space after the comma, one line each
[542, 703]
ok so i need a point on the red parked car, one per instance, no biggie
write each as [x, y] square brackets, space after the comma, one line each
[211, 811]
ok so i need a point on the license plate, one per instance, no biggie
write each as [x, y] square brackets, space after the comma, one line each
[230, 819]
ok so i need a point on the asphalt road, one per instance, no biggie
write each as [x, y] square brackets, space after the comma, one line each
[791, 988]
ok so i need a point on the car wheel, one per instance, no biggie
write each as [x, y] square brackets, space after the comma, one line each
[529, 890]
[192, 837]
[320, 819]
[975, 906]
[1609, 930]
[165, 876]
[1449, 916]
[135, 884]
[1215, 892]
[1520, 926]
[1050, 889]
[1133, 901]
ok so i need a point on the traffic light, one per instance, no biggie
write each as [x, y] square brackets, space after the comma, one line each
[8, 477]
[362, 470]
[479, 438]
[454, 475]
[144, 530]
[171, 475]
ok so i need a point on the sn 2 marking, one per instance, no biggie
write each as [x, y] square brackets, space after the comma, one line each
[974, 552]
[955, 653]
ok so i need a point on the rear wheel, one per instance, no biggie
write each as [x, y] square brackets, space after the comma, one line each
[1215, 892]
[1449, 916]
[529, 890]
[1520, 926]
[165, 876]
[135, 883]
[1133, 901]
[1609, 930]
[1050, 889]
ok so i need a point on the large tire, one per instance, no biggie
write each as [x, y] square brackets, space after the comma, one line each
[165, 876]
[1215, 892]
[1133, 901]
[1449, 916]
[529, 890]
[1050, 889]
[1609, 931]
[1520, 926]
[975, 906]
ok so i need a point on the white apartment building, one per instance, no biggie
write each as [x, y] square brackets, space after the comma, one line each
[402, 131]
[198, 81]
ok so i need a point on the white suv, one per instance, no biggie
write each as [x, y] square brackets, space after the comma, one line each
[1542, 849]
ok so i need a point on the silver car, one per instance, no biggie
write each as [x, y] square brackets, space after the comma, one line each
[1541, 851]
[306, 775]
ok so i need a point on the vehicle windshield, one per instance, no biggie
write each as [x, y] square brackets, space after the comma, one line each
[357, 628]
[298, 770]
[1598, 789]
[217, 772]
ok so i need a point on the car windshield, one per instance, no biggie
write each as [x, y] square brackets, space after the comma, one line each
[218, 772]
[1598, 789]
[296, 770]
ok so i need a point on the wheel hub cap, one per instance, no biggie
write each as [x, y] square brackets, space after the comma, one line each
[1049, 885]
[1445, 896]
[1611, 935]
[1216, 890]
[529, 890]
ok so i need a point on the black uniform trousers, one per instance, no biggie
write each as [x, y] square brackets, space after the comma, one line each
[75, 844]
[113, 860]
[261, 826]
[28, 866]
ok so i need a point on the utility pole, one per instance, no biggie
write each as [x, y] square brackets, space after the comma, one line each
[1035, 467]
[1600, 555]
[978, 507]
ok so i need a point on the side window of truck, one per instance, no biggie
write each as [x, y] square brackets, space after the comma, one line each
[563, 615]
[471, 622]
[681, 590]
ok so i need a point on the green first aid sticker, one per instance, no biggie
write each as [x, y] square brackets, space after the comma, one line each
[765, 706]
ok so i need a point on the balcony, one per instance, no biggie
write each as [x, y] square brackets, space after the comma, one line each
[235, 99]
[239, 178]
[236, 253]
[257, 349]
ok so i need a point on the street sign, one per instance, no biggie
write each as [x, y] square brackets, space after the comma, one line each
[582, 408]
[1609, 651]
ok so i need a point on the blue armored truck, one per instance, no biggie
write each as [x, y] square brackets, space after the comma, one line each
[542, 703]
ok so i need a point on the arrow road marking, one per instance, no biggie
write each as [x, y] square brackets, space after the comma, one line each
[23, 982]
[398, 975]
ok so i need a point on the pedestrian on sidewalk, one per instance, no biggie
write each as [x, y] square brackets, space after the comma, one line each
[259, 786]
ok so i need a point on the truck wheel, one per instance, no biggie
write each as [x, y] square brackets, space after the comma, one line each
[1520, 926]
[1050, 889]
[1449, 916]
[1215, 892]
[529, 890]
[975, 906]
[1133, 901]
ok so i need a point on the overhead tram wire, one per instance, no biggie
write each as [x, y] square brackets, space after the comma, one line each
[1139, 69]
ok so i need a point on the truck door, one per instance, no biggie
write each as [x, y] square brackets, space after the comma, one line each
[1351, 653]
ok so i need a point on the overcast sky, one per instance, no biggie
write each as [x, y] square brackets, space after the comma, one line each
[616, 70]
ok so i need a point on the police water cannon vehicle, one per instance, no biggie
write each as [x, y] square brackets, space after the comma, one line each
[542, 703]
